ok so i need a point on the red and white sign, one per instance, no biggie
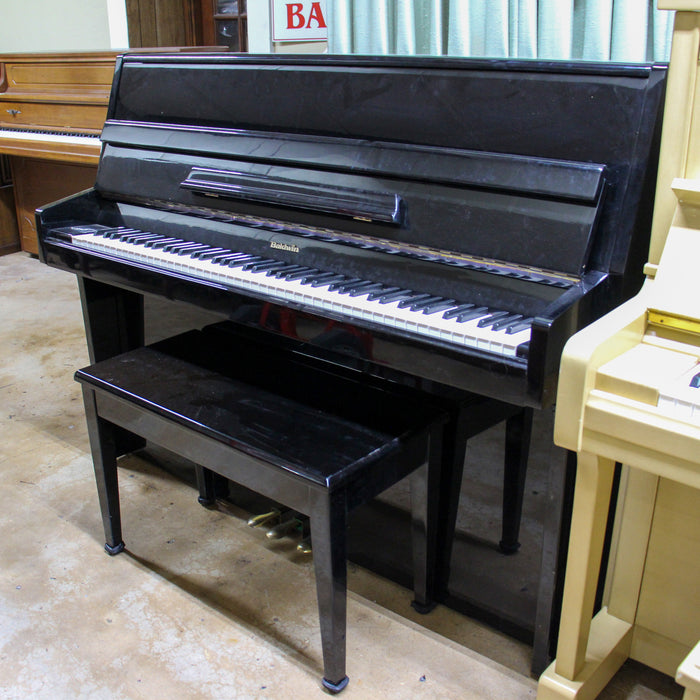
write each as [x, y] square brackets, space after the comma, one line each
[298, 21]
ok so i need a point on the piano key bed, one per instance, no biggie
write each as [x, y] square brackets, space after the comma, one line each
[310, 450]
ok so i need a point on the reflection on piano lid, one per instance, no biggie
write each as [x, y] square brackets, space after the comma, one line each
[338, 200]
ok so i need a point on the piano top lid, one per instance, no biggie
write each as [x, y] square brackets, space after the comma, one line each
[603, 114]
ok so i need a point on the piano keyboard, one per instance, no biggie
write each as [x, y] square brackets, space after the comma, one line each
[52, 136]
[681, 398]
[464, 324]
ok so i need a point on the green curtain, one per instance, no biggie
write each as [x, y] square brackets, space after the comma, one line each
[595, 30]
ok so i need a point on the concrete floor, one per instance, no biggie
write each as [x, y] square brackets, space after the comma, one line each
[199, 606]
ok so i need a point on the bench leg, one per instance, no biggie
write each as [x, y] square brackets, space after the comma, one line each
[517, 449]
[424, 508]
[103, 439]
[329, 535]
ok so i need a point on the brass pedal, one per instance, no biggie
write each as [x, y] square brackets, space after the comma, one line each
[282, 529]
[264, 518]
[305, 546]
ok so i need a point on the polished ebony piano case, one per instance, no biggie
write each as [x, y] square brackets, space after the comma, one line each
[443, 223]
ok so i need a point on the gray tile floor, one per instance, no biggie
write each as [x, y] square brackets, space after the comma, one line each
[199, 606]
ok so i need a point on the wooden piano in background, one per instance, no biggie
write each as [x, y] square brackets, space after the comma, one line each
[441, 223]
[629, 393]
[52, 108]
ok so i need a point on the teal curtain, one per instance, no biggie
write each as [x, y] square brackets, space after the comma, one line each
[595, 30]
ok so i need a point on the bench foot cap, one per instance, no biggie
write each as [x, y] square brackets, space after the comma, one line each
[423, 608]
[112, 550]
[508, 547]
[335, 687]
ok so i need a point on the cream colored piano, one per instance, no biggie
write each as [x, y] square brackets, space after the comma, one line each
[629, 392]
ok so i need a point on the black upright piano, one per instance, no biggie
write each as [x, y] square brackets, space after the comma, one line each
[442, 223]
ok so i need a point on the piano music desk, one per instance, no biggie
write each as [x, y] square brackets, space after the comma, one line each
[302, 452]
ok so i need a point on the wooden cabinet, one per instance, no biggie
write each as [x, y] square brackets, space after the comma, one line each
[52, 108]
[38, 182]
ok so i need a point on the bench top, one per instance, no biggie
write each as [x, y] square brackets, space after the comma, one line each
[303, 439]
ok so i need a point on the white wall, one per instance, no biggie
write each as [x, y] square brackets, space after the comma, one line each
[62, 25]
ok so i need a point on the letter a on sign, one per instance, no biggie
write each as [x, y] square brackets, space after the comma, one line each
[298, 21]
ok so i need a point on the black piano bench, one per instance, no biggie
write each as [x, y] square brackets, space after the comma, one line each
[301, 454]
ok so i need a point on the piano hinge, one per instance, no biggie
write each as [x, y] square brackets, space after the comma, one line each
[667, 320]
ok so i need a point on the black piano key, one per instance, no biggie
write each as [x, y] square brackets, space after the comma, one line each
[286, 270]
[270, 266]
[506, 321]
[176, 247]
[361, 290]
[225, 258]
[326, 278]
[244, 260]
[261, 265]
[139, 238]
[519, 326]
[695, 381]
[425, 303]
[194, 249]
[347, 287]
[317, 276]
[413, 299]
[162, 242]
[396, 296]
[298, 274]
[451, 313]
[210, 253]
[336, 286]
[476, 312]
[119, 231]
[439, 306]
[491, 319]
[384, 291]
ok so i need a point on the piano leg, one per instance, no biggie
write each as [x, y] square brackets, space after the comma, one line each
[517, 449]
[205, 486]
[594, 478]
[424, 505]
[113, 317]
[455, 436]
[103, 441]
[589, 651]
[329, 537]
[560, 476]
[468, 419]
[114, 323]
